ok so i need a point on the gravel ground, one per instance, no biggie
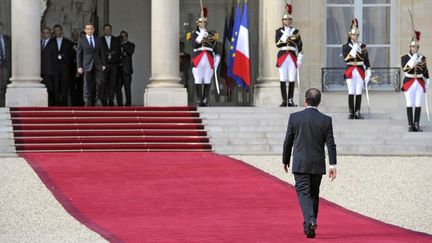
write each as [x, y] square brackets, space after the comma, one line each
[392, 189]
[30, 213]
[395, 190]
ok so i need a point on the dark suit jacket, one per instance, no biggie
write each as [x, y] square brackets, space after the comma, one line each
[308, 131]
[66, 52]
[128, 50]
[87, 56]
[114, 51]
[48, 55]
[8, 53]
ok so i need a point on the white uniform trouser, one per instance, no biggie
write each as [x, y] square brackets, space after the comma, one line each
[203, 72]
[288, 70]
[355, 83]
[414, 95]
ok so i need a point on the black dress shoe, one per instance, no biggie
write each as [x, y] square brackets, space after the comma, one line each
[351, 116]
[358, 116]
[283, 104]
[411, 129]
[291, 103]
[417, 127]
[310, 232]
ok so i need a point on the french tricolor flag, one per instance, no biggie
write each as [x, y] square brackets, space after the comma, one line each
[241, 65]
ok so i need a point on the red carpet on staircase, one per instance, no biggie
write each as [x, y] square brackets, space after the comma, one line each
[71, 129]
[193, 197]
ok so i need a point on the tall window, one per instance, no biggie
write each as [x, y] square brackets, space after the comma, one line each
[375, 24]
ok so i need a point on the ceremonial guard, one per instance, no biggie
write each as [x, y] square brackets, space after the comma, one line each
[289, 57]
[416, 82]
[204, 57]
[358, 72]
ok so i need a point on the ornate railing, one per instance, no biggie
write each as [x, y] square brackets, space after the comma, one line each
[383, 79]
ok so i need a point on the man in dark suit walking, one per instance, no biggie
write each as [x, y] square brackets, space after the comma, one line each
[62, 66]
[5, 63]
[111, 46]
[308, 131]
[91, 62]
[47, 64]
[126, 70]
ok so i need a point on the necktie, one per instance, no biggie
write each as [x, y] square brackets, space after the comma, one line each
[91, 41]
[1, 48]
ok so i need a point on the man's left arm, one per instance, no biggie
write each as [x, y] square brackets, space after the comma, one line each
[288, 144]
[331, 148]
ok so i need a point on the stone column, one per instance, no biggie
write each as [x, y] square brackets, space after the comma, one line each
[267, 91]
[26, 89]
[164, 88]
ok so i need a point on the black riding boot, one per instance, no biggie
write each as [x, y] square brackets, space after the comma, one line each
[351, 106]
[206, 95]
[284, 94]
[410, 119]
[291, 94]
[199, 94]
[417, 113]
[357, 114]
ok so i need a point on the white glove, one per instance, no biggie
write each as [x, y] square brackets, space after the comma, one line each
[300, 59]
[414, 60]
[368, 77]
[427, 85]
[202, 33]
[285, 36]
[355, 48]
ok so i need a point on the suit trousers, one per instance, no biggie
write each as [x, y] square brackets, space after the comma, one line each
[93, 86]
[307, 187]
[110, 83]
[61, 84]
[125, 79]
[3, 84]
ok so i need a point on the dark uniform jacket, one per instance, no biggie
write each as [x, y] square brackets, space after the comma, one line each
[208, 45]
[293, 46]
[419, 72]
[65, 54]
[8, 53]
[359, 61]
[112, 54]
[48, 55]
[308, 131]
[127, 50]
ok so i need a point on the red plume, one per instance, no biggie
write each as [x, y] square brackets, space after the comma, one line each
[205, 12]
[354, 22]
[417, 33]
[289, 8]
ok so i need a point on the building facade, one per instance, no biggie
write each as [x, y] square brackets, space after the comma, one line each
[157, 27]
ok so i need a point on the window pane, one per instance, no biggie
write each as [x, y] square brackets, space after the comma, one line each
[338, 1]
[379, 56]
[334, 57]
[338, 24]
[376, 25]
[376, 1]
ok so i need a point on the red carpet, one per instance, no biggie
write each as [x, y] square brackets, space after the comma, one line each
[90, 129]
[193, 197]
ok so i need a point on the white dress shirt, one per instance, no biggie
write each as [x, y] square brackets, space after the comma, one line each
[108, 41]
[59, 42]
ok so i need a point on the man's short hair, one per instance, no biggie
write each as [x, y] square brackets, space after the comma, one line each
[89, 23]
[46, 28]
[124, 32]
[58, 26]
[107, 25]
[313, 97]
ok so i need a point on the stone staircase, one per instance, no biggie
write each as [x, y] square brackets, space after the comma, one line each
[260, 131]
[7, 146]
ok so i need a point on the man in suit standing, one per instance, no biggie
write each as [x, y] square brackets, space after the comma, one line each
[76, 87]
[62, 66]
[126, 70]
[111, 46]
[91, 62]
[47, 64]
[308, 131]
[5, 63]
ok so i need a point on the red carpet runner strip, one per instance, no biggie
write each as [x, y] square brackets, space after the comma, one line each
[193, 197]
[90, 129]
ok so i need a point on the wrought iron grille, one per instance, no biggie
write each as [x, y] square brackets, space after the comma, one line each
[383, 79]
